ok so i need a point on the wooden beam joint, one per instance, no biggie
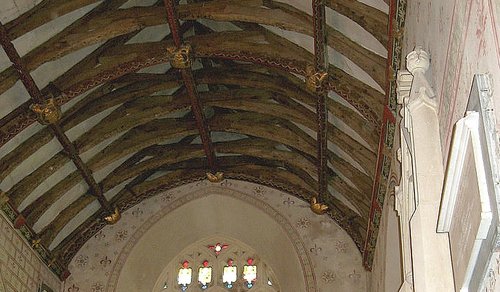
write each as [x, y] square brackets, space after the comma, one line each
[181, 59]
[49, 113]
[316, 82]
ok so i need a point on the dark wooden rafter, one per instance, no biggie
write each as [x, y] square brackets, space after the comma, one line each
[190, 84]
[148, 135]
[278, 124]
[366, 16]
[321, 65]
[56, 129]
[142, 190]
[126, 20]
[153, 54]
[134, 112]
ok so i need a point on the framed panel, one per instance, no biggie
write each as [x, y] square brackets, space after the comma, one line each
[468, 210]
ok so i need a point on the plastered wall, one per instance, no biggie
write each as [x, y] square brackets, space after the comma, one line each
[463, 39]
[328, 256]
[20, 268]
[386, 272]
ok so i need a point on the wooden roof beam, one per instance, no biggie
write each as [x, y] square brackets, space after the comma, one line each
[56, 129]
[316, 84]
[264, 171]
[351, 222]
[367, 100]
[110, 24]
[190, 84]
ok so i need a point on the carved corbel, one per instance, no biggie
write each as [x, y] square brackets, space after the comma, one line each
[215, 178]
[180, 58]
[113, 217]
[35, 243]
[317, 207]
[315, 81]
[47, 112]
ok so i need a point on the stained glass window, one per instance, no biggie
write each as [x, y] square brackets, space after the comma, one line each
[205, 275]
[213, 264]
[218, 248]
[185, 275]
[230, 274]
[249, 273]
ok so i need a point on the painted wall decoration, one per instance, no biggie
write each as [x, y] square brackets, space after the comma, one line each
[336, 261]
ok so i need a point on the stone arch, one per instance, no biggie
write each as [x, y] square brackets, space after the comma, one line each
[271, 235]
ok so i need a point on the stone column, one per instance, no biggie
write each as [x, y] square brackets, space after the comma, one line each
[404, 194]
[422, 180]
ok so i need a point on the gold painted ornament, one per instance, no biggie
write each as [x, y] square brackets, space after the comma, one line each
[35, 243]
[315, 80]
[215, 178]
[180, 57]
[113, 217]
[317, 207]
[47, 112]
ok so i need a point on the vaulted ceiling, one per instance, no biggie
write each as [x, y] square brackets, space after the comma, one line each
[133, 126]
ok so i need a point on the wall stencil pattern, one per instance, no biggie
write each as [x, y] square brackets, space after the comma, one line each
[333, 257]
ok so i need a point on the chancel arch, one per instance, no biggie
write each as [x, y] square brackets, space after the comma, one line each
[284, 234]
[209, 215]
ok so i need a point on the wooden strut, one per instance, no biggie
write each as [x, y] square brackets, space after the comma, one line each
[190, 84]
[320, 65]
[58, 132]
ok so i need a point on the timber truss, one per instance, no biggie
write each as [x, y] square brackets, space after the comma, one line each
[234, 96]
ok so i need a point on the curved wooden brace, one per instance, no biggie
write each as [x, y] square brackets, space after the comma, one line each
[254, 147]
[352, 223]
[143, 84]
[153, 132]
[91, 105]
[286, 17]
[109, 24]
[371, 19]
[48, 10]
[367, 100]
[141, 110]
[158, 130]
[267, 171]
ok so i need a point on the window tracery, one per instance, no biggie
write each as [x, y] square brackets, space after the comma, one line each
[228, 266]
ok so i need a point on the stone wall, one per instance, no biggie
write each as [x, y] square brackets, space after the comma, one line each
[20, 268]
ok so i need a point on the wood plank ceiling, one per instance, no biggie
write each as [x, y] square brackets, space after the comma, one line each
[133, 126]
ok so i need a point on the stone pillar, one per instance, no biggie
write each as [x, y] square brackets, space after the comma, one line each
[421, 183]
[404, 194]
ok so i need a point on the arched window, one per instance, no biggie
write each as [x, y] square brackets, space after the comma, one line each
[184, 276]
[208, 266]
